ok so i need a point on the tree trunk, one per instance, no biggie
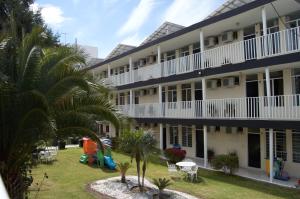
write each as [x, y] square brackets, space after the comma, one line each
[144, 172]
[123, 179]
[137, 159]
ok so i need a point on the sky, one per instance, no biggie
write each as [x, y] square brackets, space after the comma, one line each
[106, 23]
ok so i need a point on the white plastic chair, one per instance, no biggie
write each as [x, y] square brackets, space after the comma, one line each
[171, 167]
[193, 172]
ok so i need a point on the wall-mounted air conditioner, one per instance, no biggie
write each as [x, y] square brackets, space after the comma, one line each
[227, 36]
[211, 42]
[212, 84]
[228, 82]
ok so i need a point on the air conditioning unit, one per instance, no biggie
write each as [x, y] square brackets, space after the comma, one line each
[228, 82]
[227, 36]
[211, 42]
[212, 84]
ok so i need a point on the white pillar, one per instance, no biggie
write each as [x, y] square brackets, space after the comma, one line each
[264, 20]
[205, 145]
[160, 100]
[268, 87]
[271, 135]
[159, 61]
[202, 48]
[203, 97]
[130, 70]
[161, 146]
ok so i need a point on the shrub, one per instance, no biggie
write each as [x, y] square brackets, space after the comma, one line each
[175, 155]
[228, 162]
[161, 183]
[210, 154]
[123, 167]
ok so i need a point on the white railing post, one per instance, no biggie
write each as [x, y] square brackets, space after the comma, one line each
[160, 100]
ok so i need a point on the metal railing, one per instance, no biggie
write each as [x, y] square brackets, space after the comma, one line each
[274, 44]
[284, 107]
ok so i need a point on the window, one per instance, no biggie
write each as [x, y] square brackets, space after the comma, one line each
[279, 145]
[172, 94]
[196, 47]
[173, 135]
[107, 129]
[296, 147]
[186, 92]
[122, 99]
[184, 51]
[187, 139]
[170, 55]
[136, 97]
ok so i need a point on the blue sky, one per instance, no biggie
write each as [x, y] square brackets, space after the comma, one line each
[106, 23]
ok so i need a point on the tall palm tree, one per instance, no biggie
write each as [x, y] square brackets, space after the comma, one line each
[45, 95]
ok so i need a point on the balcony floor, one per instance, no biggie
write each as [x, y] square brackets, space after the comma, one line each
[252, 173]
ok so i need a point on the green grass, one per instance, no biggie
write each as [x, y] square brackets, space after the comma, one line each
[68, 179]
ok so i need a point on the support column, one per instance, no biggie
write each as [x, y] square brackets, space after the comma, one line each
[268, 86]
[205, 145]
[131, 79]
[160, 100]
[203, 97]
[264, 20]
[159, 61]
[161, 144]
[265, 32]
[108, 71]
[271, 135]
[202, 49]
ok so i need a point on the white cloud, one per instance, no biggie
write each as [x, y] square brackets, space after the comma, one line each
[138, 17]
[52, 15]
[188, 12]
[133, 40]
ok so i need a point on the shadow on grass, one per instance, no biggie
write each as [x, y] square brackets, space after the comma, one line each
[104, 169]
[263, 187]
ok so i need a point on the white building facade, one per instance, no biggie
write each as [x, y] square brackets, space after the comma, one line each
[228, 83]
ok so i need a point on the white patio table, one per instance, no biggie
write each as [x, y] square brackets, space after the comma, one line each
[186, 164]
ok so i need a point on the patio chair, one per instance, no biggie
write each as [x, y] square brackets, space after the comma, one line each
[193, 172]
[171, 167]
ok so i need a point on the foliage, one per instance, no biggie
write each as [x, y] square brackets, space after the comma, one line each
[210, 154]
[140, 145]
[175, 155]
[42, 95]
[228, 162]
[123, 167]
[161, 183]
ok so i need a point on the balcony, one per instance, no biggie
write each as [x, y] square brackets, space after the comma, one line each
[275, 44]
[285, 107]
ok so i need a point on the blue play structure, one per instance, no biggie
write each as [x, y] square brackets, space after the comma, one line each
[109, 163]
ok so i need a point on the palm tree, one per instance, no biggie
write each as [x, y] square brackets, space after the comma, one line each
[140, 144]
[43, 94]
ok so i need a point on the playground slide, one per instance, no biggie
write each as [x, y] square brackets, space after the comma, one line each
[109, 162]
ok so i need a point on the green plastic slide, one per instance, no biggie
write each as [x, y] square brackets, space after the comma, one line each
[84, 158]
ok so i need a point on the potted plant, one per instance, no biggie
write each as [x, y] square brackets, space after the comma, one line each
[161, 184]
[123, 167]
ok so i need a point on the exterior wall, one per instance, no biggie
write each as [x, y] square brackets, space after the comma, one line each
[233, 92]
[149, 98]
[223, 143]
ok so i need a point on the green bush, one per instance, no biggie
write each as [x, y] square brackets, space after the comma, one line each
[228, 162]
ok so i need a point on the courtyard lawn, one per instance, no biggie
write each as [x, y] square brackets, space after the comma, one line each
[68, 179]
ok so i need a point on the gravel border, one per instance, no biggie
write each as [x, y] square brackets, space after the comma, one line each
[113, 188]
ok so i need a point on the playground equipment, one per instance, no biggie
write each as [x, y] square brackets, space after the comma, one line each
[93, 155]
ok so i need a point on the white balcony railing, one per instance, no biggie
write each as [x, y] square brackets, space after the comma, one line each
[275, 44]
[285, 107]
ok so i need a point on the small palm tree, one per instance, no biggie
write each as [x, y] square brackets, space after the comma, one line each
[140, 144]
[123, 166]
[161, 184]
